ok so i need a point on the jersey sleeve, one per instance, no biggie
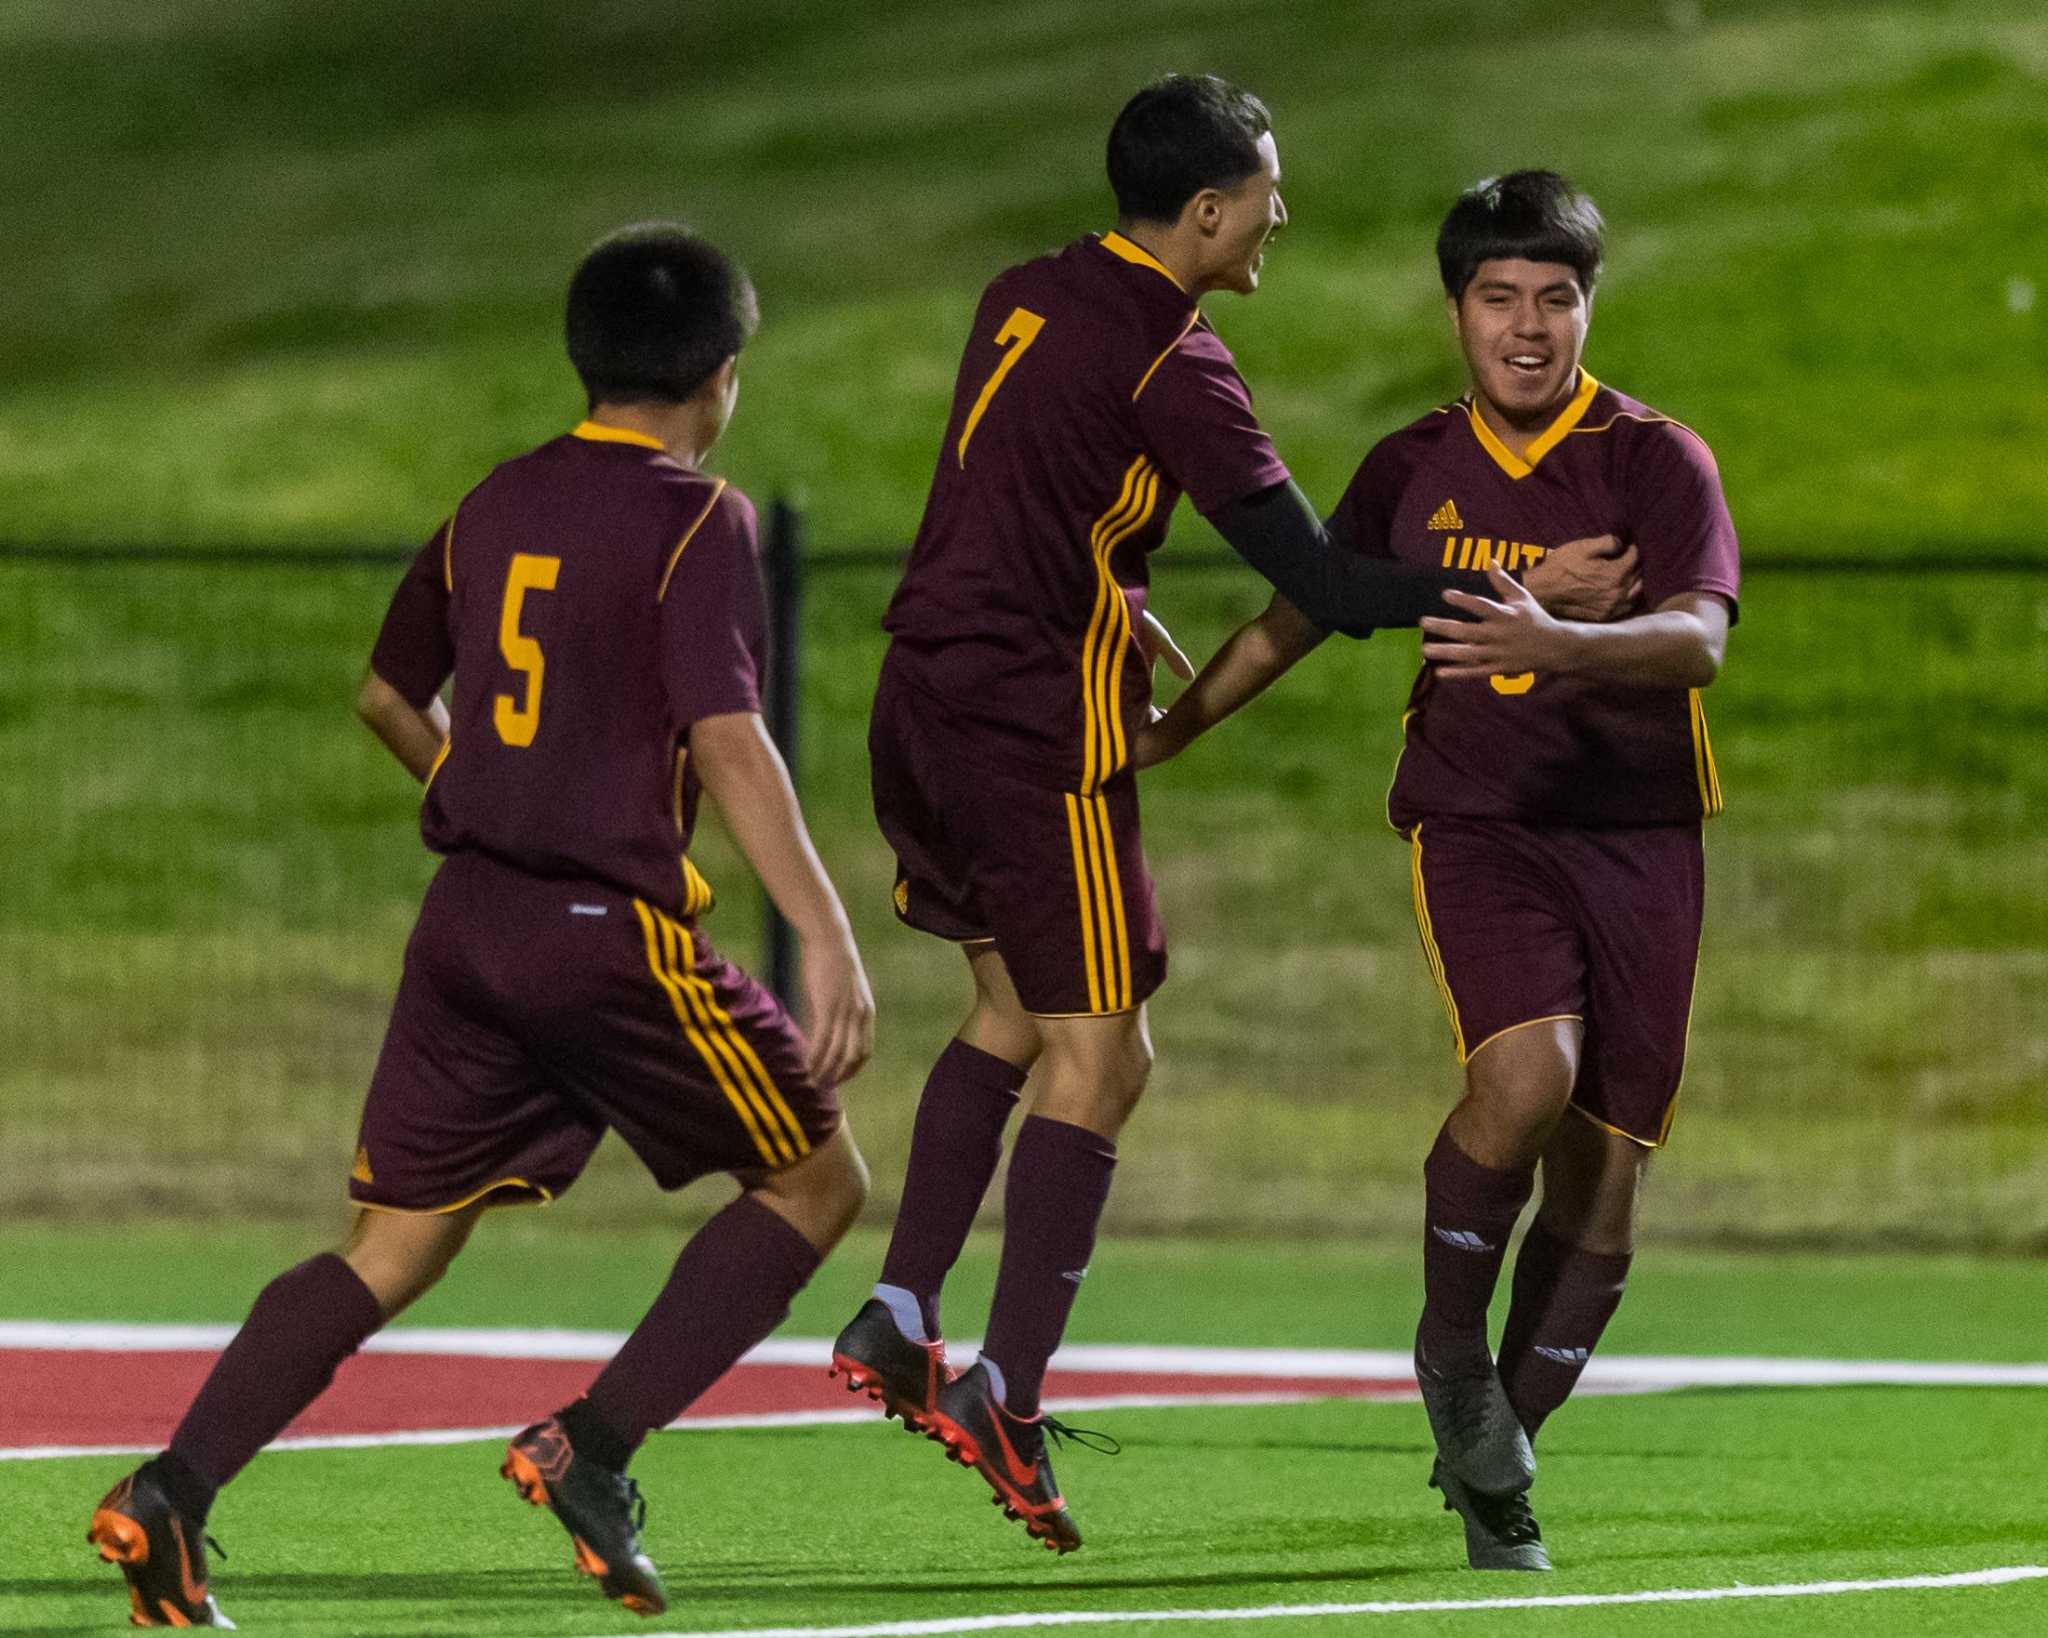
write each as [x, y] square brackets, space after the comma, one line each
[1679, 520]
[415, 651]
[1195, 414]
[713, 618]
[1364, 518]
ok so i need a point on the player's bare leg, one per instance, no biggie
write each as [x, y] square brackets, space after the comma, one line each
[1478, 1178]
[821, 1195]
[400, 1256]
[893, 1350]
[303, 1325]
[997, 1022]
[1572, 1266]
[1089, 1078]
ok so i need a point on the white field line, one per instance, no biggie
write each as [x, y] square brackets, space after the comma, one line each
[1620, 1371]
[1389, 1606]
[694, 1424]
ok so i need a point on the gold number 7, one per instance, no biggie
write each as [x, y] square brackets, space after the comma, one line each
[1021, 327]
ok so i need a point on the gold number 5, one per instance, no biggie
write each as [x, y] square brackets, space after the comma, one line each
[1021, 327]
[517, 723]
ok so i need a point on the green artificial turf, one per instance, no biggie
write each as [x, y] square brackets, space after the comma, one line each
[1207, 1508]
[1226, 1508]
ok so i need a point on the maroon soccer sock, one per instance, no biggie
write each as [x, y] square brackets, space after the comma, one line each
[1564, 1296]
[304, 1324]
[954, 1148]
[1471, 1211]
[1059, 1181]
[731, 1286]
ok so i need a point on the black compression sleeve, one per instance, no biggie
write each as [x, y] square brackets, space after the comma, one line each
[1278, 533]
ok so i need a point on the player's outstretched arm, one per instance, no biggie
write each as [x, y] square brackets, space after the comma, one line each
[745, 775]
[1678, 644]
[1278, 533]
[1248, 662]
[415, 737]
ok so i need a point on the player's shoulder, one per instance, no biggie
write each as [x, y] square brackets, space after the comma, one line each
[1108, 289]
[708, 514]
[1401, 451]
[1640, 431]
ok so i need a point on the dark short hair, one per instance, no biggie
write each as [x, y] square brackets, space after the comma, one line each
[653, 311]
[1534, 216]
[1178, 136]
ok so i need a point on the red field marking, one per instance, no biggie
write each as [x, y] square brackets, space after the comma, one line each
[80, 1397]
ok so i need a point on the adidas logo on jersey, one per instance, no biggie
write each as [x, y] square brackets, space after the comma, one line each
[1446, 517]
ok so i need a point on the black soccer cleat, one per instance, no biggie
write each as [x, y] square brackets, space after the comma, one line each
[1009, 1451]
[1478, 1436]
[1500, 1531]
[600, 1508]
[877, 1359]
[161, 1551]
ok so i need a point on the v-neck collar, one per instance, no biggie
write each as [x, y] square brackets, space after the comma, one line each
[1520, 466]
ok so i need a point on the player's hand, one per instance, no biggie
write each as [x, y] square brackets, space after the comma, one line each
[1156, 643]
[1502, 635]
[839, 1011]
[1594, 579]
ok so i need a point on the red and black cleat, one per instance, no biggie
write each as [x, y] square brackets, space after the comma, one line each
[600, 1508]
[902, 1376]
[161, 1551]
[1009, 1452]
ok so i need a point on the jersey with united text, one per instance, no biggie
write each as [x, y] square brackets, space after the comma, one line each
[1447, 493]
[1092, 394]
[593, 598]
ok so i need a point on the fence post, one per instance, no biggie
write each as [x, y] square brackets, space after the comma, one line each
[782, 565]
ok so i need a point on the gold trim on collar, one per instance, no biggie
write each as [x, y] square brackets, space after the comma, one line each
[1520, 466]
[1117, 245]
[596, 432]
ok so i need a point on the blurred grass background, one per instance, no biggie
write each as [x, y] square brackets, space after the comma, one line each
[285, 275]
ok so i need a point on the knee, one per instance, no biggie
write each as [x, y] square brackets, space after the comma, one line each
[1510, 1120]
[396, 1281]
[1117, 1072]
[824, 1195]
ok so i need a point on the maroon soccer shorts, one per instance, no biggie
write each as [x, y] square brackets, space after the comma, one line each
[1522, 924]
[1056, 879]
[533, 1015]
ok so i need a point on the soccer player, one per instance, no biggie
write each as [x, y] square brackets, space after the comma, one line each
[1552, 785]
[1091, 395]
[598, 602]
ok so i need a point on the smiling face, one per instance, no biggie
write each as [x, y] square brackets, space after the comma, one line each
[1238, 221]
[1522, 326]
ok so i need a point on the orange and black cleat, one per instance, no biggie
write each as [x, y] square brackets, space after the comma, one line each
[877, 1359]
[161, 1551]
[1009, 1451]
[600, 1508]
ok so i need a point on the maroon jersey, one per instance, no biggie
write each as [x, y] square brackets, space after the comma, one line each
[593, 598]
[1092, 394]
[1447, 493]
